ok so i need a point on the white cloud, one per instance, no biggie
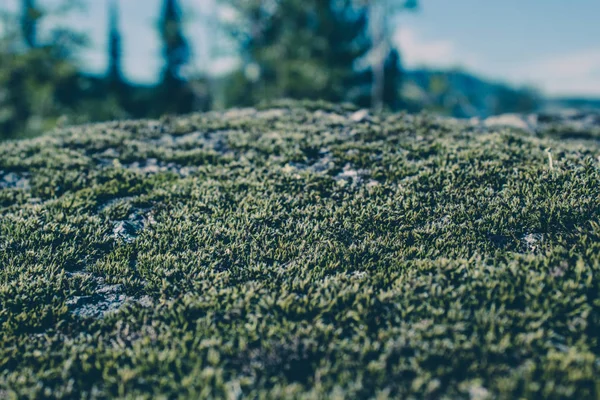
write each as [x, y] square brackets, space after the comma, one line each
[572, 73]
[419, 51]
[576, 73]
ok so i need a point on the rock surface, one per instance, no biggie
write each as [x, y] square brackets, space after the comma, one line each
[306, 250]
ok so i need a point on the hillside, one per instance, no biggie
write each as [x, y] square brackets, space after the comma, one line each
[305, 250]
[464, 95]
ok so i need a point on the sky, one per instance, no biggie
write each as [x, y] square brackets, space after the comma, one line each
[553, 45]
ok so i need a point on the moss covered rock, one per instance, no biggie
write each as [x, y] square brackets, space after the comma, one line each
[306, 250]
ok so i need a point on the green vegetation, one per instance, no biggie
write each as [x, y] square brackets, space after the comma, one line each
[325, 50]
[39, 82]
[43, 85]
[314, 49]
[306, 250]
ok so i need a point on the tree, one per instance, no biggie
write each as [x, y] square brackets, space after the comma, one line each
[336, 50]
[30, 15]
[382, 13]
[344, 26]
[39, 81]
[392, 80]
[114, 73]
[301, 49]
[175, 93]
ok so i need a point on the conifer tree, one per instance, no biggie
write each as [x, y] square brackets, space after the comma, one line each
[175, 93]
[29, 19]
[392, 78]
[38, 77]
[382, 14]
[304, 48]
[344, 27]
[114, 73]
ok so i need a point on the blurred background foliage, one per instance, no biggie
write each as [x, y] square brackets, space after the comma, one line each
[333, 50]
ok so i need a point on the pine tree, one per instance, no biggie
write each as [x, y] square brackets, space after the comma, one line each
[342, 27]
[314, 49]
[274, 45]
[30, 15]
[305, 48]
[175, 94]
[38, 79]
[392, 80]
[114, 73]
[382, 13]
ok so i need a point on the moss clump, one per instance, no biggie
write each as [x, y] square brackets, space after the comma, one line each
[299, 251]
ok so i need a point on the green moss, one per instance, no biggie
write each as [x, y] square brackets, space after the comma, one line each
[299, 251]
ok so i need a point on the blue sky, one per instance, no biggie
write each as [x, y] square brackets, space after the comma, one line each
[554, 44]
[551, 44]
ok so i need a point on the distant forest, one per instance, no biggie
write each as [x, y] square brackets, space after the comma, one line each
[332, 50]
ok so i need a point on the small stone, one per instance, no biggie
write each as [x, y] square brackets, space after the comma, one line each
[532, 241]
[359, 115]
[145, 301]
[358, 274]
[560, 270]
[477, 392]
[13, 180]
[511, 121]
[126, 230]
